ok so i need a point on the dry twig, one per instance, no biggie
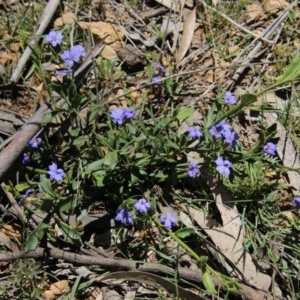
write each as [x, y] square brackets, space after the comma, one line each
[43, 23]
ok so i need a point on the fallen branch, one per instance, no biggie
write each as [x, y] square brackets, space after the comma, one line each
[246, 292]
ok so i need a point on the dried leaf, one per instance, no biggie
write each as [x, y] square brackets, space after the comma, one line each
[12, 230]
[273, 6]
[5, 241]
[187, 36]
[56, 289]
[39, 88]
[15, 47]
[109, 53]
[254, 11]
[109, 32]
[66, 18]
[5, 57]
[130, 56]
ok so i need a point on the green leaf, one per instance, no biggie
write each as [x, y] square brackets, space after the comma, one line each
[47, 118]
[291, 73]
[211, 115]
[247, 99]
[2, 290]
[172, 145]
[160, 175]
[208, 283]
[99, 177]
[142, 162]
[68, 203]
[93, 113]
[83, 214]
[131, 129]
[20, 187]
[35, 237]
[70, 234]
[75, 287]
[74, 132]
[94, 166]
[185, 232]
[76, 185]
[46, 185]
[185, 113]
[133, 179]
[169, 86]
[79, 141]
[110, 160]
[164, 256]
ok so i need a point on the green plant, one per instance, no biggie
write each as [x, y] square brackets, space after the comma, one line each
[27, 279]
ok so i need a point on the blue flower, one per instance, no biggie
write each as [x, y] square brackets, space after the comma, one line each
[129, 113]
[296, 201]
[156, 80]
[26, 158]
[56, 173]
[269, 149]
[28, 192]
[231, 138]
[223, 166]
[54, 38]
[160, 68]
[77, 52]
[193, 170]
[194, 132]
[117, 115]
[68, 59]
[219, 129]
[35, 143]
[229, 98]
[121, 114]
[142, 205]
[168, 220]
[73, 55]
[216, 132]
[124, 216]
